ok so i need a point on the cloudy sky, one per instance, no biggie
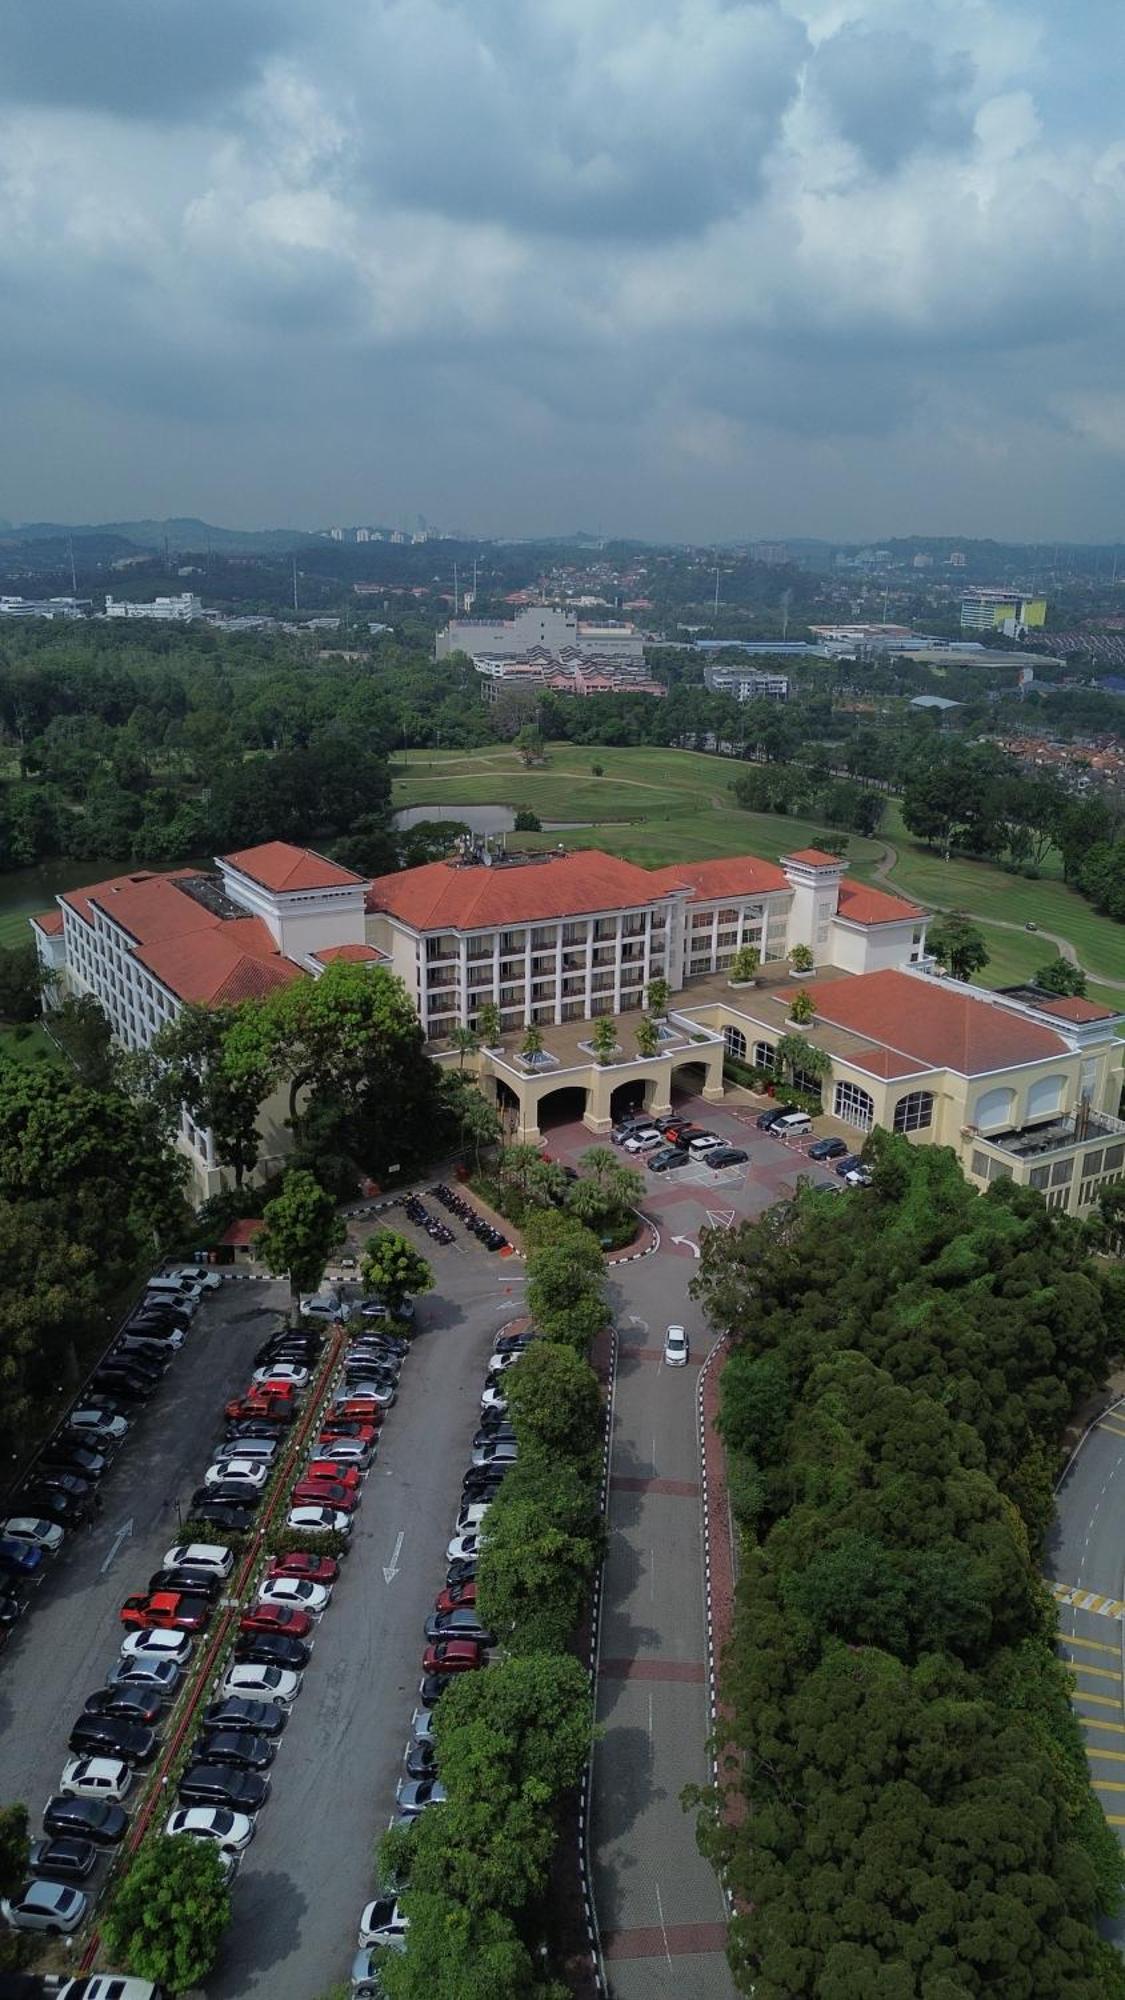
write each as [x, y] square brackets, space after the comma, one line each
[675, 268]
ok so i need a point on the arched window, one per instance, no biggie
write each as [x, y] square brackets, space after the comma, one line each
[993, 1111]
[914, 1111]
[854, 1106]
[763, 1055]
[1045, 1098]
[735, 1042]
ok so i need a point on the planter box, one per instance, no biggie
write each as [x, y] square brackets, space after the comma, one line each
[739, 983]
[810, 973]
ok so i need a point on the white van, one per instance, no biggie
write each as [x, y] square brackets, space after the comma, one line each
[792, 1122]
[175, 1288]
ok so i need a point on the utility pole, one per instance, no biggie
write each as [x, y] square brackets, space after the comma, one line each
[716, 590]
[296, 606]
[73, 576]
[455, 605]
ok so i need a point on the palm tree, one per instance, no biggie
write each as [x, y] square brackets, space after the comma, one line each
[604, 1037]
[465, 1042]
[648, 1036]
[532, 1043]
[488, 1023]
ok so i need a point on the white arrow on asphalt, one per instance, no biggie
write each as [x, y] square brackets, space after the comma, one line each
[122, 1535]
[691, 1243]
[390, 1570]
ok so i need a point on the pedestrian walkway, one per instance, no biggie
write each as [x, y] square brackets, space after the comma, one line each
[1087, 1600]
[661, 1912]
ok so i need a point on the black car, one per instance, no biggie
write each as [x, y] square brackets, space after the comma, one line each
[462, 1570]
[219, 1514]
[667, 1160]
[100, 1820]
[63, 1481]
[238, 1748]
[131, 1704]
[725, 1156]
[112, 1736]
[371, 1312]
[60, 1507]
[365, 1368]
[494, 1426]
[828, 1149]
[64, 1859]
[460, 1624]
[242, 1713]
[294, 1346]
[421, 1761]
[272, 1649]
[157, 1309]
[201, 1582]
[155, 1354]
[513, 1343]
[222, 1785]
[845, 1165]
[122, 1387]
[431, 1687]
[228, 1492]
[766, 1120]
[59, 1456]
[483, 1482]
[11, 1609]
[251, 1427]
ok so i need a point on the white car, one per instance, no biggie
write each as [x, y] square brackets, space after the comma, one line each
[382, 1924]
[283, 1371]
[45, 1535]
[676, 1347]
[174, 1646]
[498, 1362]
[704, 1144]
[422, 1725]
[95, 1778]
[298, 1590]
[643, 1141]
[310, 1520]
[211, 1556]
[464, 1548]
[45, 1906]
[262, 1683]
[471, 1518]
[99, 1424]
[326, 1305]
[197, 1274]
[249, 1470]
[494, 1399]
[230, 1829]
[860, 1176]
[109, 1986]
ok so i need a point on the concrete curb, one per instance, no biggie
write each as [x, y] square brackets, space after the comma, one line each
[593, 1932]
[634, 1256]
[705, 1506]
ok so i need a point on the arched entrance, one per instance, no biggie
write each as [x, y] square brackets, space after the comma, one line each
[565, 1106]
[634, 1095]
[688, 1080]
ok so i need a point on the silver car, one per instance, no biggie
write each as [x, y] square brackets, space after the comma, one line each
[45, 1906]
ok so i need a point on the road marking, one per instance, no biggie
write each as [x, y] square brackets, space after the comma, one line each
[660, 1909]
[122, 1535]
[1114, 1756]
[1113, 1429]
[650, 1718]
[1102, 1673]
[1086, 1600]
[689, 1243]
[1095, 1645]
[721, 1218]
[1092, 1722]
[390, 1570]
[1102, 1700]
[652, 1595]
[1115, 1819]
[1108, 1784]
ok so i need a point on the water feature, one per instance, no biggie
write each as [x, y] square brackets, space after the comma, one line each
[479, 819]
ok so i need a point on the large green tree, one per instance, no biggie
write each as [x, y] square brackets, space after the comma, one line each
[554, 1402]
[392, 1267]
[215, 1061]
[957, 943]
[167, 1916]
[300, 1230]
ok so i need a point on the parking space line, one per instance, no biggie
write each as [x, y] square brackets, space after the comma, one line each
[1108, 1784]
[1095, 1645]
[1114, 1756]
[1093, 1722]
[1114, 1429]
[1102, 1700]
[1101, 1673]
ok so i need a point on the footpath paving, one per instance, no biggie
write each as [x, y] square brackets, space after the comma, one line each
[661, 1911]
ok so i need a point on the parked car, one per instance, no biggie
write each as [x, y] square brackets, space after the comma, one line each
[317, 1569]
[844, 1167]
[676, 1347]
[667, 1160]
[275, 1409]
[415, 1794]
[37, 1533]
[334, 1472]
[472, 1515]
[198, 1274]
[791, 1124]
[96, 1421]
[766, 1120]
[431, 1687]
[383, 1925]
[368, 1408]
[725, 1156]
[493, 1398]
[237, 1470]
[61, 1456]
[325, 1493]
[236, 1748]
[295, 1593]
[173, 1647]
[346, 1451]
[166, 1610]
[230, 1516]
[859, 1175]
[287, 1619]
[160, 1677]
[457, 1594]
[111, 1736]
[287, 1372]
[19, 1562]
[643, 1140]
[361, 1430]
[130, 1704]
[263, 1450]
[110, 1986]
[229, 1829]
[99, 1820]
[453, 1656]
[45, 1906]
[828, 1149]
[421, 1761]
[326, 1306]
[274, 1649]
[513, 1343]
[64, 1859]
[107, 1778]
[211, 1556]
[238, 1712]
[463, 1546]
[462, 1569]
[223, 1785]
[699, 1147]
[261, 1681]
[462, 1623]
[366, 1388]
[47, 1503]
[318, 1520]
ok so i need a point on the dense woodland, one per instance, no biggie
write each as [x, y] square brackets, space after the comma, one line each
[920, 1824]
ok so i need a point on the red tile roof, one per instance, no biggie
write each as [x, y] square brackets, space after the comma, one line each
[814, 857]
[234, 961]
[50, 921]
[1070, 1008]
[241, 1234]
[888, 1064]
[280, 866]
[352, 954]
[934, 1023]
[735, 875]
[858, 904]
[441, 895]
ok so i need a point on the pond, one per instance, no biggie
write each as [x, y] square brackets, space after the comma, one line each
[26, 891]
[480, 819]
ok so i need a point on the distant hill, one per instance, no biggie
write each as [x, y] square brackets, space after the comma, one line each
[180, 532]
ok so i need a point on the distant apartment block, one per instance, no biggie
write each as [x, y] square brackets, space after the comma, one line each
[569, 672]
[44, 607]
[544, 625]
[165, 610]
[1007, 611]
[745, 683]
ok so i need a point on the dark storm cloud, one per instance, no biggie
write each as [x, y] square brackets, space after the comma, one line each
[150, 59]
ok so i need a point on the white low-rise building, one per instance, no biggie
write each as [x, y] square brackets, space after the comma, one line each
[165, 610]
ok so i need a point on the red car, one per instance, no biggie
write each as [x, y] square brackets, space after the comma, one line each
[457, 1596]
[324, 1493]
[362, 1407]
[327, 1468]
[165, 1611]
[452, 1656]
[278, 1408]
[316, 1569]
[366, 1429]
[287, 1618]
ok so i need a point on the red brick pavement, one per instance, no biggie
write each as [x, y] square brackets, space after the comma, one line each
[676, 1941]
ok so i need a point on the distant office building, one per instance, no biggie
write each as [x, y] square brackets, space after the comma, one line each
[776, 554]
[957, 559]
[866, 637]
[922, 561]
[745, 683]
[44, 607]
[166, 610]
[1006, 611]
[545, 625]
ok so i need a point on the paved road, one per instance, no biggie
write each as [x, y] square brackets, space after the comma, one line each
[311, 1869]
[1087, 1554]
[71, 1636]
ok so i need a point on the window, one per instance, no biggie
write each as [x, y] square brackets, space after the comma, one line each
[735, 1043]
[853, 1105]
[993, 1110]
[1045, 1097]
[1114, 1159]
[1039, 1177]
[914, 1112]
[763, 1055]
[1062, 1173]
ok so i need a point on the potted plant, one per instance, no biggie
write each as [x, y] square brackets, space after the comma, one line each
[744, 965]
[800, 962]
[803, 1009]
[648, 1036]
[604, 1038]
[658, 995]
[531, 1046]
[488, 1023]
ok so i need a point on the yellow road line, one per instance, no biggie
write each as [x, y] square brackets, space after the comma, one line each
[1115, 1819]
[1091, 1722]
[1102, 1700]
[1102, 1673]
[1103, 1426]
[1094, 1645]
[1111, 1756]
[1107, 1785]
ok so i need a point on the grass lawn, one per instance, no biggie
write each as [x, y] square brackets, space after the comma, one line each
[34, 1047]
[14, 930]
[655, 806]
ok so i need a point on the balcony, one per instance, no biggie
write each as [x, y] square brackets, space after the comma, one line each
[1033, 1142]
